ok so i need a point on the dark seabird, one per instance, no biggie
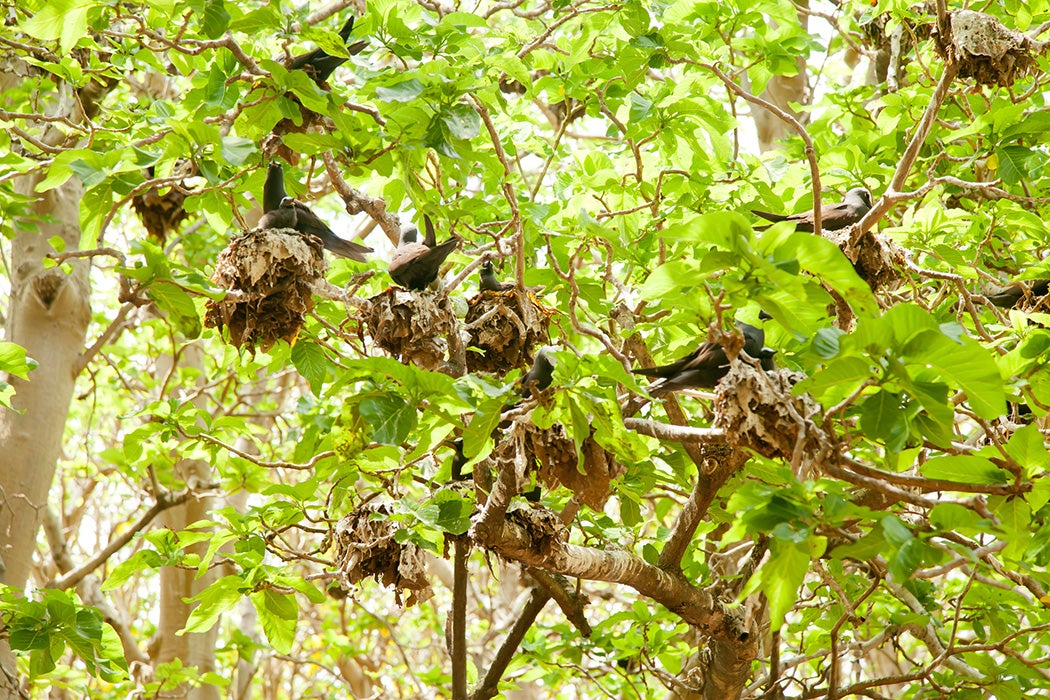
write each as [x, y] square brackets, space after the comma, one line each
[705, 366]
[489, 283]
[541, 374]
[849, 211]
[1009, 295]
[320, 65]
[276, 206]
[415, 265]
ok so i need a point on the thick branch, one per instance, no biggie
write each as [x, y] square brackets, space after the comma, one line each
[726, 462]
[900, 175]
[356, 201]
[693, 605]
[674, 433]
[560, 589]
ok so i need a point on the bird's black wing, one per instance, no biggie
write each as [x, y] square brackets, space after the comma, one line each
[836, 216]
[430, 239]
[321, 65]
[705, 354]
[308, 222]
[415, 265]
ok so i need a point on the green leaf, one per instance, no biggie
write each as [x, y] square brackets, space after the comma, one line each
[177, 305]
[216, 18]
[462, 121]
[310, 361]
[881, 416]
[447, 511]
[13, 360]
[965, 469]
[391, 417]
[237, 150]
[1013, 163]
[405, 91]
[278, 614]
[213, 601]
[65, 20]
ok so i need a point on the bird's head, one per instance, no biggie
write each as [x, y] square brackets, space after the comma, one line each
[860, 196]
[409, 234]
[288, 203]
[487, 269]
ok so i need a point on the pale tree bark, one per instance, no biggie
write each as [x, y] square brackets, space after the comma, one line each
[782, 90]
[49, 316]
[177, 585]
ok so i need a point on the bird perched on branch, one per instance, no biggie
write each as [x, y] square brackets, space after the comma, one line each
[705, 366]
[849, 211]
[415, 265]
[282, 211]
[320, 65]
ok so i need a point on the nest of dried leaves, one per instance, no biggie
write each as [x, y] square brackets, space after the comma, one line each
[365, 546]
[505, 327]
[984, 49]
[270, 274]
[553, 455]
[758, 412]
[411, 326]
[874, 257]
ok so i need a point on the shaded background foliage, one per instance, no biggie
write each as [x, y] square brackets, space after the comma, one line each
[593, 145]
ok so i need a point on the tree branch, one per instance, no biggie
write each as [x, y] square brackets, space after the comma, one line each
[490, 684]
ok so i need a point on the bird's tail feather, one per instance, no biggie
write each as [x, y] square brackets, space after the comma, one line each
[347, 249]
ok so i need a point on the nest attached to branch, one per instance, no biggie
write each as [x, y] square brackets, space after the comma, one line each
[553, 454]
[542, 527]
[365, 546]
[757, 411]
[873, 257]
[505, 326]
[412, 326]
[984, 49]
[270, 274]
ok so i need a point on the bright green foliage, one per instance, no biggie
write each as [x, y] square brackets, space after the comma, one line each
[913, 545]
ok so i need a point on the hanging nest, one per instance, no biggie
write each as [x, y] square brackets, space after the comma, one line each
[162, 214]
[365, 546]
[552, 454]
[505, 326]
[758, 412]
[411, 326]
[873, 256]
[269, 274]
[985, 50]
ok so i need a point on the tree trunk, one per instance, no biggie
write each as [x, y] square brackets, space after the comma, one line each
[49, 316]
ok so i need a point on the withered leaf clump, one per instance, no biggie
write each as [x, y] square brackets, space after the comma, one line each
[554, 455]
[411, 326]
[985, 50]
[269, 274]
[872, 255]
[757, 411]
[160, 214]
[505, 326]
[543, 527]
[365, 546]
